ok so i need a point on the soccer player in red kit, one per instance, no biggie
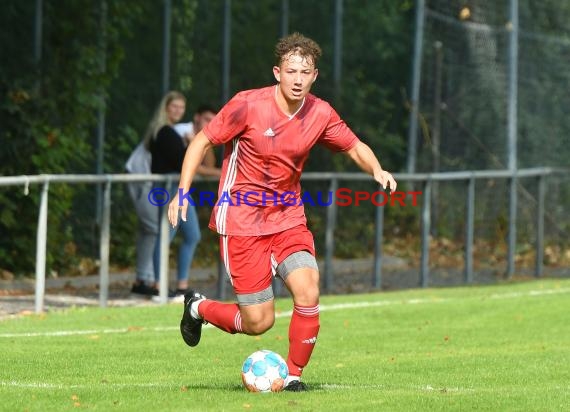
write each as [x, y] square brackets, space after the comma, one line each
[268, 134]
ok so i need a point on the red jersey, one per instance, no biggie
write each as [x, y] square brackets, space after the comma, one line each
[264, 154]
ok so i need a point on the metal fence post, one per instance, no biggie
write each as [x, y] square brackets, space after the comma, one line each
[284, 18]
[164, 240]
[104, 247]
[540, 226]
[512, 234]
[513, 64]
[469, 228]
[226, 50]
[378, 236]
[415, 92]
[166, 28]
[41, 249]
[329, 238]
[337, 56]
[100, 133]
[426, 216]
[512, 124]
[38, 34]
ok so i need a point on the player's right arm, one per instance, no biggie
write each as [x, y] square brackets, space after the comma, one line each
[192, 159]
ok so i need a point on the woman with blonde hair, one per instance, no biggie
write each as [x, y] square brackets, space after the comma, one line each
[167, 151]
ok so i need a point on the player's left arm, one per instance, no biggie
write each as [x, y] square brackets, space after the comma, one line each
[365, 158]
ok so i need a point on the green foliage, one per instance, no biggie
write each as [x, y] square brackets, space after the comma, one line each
[183, 23]
[106, 55]
[49, 112]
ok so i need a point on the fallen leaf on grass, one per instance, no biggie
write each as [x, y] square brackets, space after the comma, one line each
[134, 328]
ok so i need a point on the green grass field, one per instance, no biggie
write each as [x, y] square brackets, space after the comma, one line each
[495, 348]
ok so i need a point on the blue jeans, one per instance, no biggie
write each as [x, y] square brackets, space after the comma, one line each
[191, 237]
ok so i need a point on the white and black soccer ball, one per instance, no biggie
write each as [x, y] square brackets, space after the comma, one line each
[264, 371]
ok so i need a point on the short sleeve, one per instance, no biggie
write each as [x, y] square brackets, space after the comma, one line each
[230, 121]
[337, 136]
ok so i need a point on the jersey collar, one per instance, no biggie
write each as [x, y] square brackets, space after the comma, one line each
[296, 112]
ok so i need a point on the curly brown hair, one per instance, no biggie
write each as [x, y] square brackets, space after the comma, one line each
[296, 43]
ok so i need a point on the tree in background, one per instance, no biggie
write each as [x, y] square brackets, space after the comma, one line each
[49, 113]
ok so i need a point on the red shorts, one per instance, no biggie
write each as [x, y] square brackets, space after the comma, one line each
[251, 260]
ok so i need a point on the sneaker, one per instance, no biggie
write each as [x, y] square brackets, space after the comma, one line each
[172, 297]
[296, 386]
[141, 288]
[178, 295]
[191, 328]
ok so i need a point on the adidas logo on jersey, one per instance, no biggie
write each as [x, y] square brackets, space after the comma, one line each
[311, 341]
[269, 133]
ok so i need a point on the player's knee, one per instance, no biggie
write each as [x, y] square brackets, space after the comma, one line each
[308, 295]
[257, 322]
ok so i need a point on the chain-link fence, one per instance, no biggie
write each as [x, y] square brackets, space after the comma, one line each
[493, 91]
[465, 73]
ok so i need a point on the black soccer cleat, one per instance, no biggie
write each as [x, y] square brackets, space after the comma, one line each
[191, 328]
[296, 386]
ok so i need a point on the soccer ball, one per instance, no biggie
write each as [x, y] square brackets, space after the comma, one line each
[264, 371]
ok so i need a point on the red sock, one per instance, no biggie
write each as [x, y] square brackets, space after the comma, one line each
[225, 316]
[303, 332]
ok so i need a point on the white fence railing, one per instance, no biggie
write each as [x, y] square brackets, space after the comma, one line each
[425, 179]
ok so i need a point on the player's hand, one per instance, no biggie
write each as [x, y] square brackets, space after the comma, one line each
[174, 208]
[386, 180]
